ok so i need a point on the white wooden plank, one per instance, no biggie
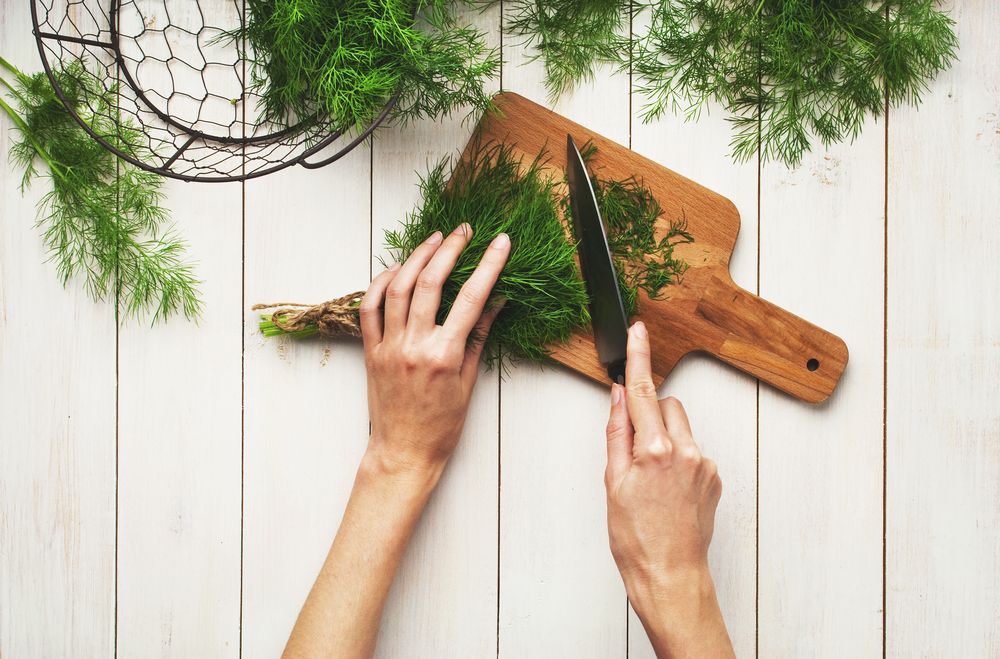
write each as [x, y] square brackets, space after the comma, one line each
[180, 389]
[444, 601]
[700, 151]
[560, 593]
[179, 451]
[943, 429]
[57, 442]
[307, 239]
[820, 538]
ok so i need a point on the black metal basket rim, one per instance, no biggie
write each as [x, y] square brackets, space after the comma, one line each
[163, 169]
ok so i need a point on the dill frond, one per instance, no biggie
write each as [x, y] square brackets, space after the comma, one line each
[571, 37]
[789, 73]
[341, 62]
[811, 69]
[101, 219]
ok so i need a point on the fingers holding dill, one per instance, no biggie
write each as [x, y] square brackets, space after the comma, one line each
[497, 191]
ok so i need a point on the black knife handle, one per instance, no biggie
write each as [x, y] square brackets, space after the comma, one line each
[616, 371]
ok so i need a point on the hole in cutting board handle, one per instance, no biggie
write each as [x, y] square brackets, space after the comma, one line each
[812, 364]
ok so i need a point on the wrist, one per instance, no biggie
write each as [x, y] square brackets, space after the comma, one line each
[662, 596]
[414, 472]
[677, 607]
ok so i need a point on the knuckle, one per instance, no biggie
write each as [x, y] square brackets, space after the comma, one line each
[642, 387]
[711, 469]
[614, 429]
[471, 294]
[637, 349]
[689, 456]
[396, 292]
[659, 448]
[440, 361]
[428, 282]
[410, 359]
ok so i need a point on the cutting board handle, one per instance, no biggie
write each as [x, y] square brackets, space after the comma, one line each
[770, 343]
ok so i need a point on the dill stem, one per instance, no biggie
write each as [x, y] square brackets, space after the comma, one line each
[18, 73]
[13, 90]
[26, 131]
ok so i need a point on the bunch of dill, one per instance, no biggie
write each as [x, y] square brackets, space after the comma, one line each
[101, 219]
[341, 62]
[545, 296]
[546, 299]
[788, 72]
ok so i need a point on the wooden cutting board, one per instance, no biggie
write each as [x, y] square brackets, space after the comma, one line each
[706, 311]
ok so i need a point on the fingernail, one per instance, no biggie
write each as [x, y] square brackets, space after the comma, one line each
[434, 238]
[501, 241]
[616, 394]
[639, 328]
[394, 267]
[463, 228]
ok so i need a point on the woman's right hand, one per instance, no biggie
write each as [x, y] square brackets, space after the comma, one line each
[662, 497]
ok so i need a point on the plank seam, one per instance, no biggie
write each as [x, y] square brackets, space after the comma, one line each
[631, 84]
[117, 375]
[499, 412]
[885, 359]
[243, 362]
[756, 483]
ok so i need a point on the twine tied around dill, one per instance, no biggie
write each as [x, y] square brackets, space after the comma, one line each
[333, 318]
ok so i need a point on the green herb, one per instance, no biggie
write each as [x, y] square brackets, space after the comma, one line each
[788, 72]
[808, 68]
[102, 218]
[630, 212]
[545, 296]
[546, 299]
[570, 36]
[342, 61]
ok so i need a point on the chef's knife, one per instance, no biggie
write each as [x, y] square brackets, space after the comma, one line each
[607, 312]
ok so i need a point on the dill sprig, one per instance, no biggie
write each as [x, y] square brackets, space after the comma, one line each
[788, 72]
[571, 37]
[341, 62]
[812, 69]
[546, 299]
[101, 219]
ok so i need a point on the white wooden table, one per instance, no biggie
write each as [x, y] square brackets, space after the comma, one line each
[171, 491]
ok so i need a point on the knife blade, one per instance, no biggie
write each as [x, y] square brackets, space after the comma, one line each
[607, 311]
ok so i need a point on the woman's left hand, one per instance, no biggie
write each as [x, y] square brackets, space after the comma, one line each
[421, 374]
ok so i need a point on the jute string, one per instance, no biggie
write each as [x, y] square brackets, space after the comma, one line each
[334, 318]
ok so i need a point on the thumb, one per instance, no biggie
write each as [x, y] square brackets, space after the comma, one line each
[620, 435]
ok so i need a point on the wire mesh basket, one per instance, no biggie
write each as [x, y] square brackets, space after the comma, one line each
[165, 73]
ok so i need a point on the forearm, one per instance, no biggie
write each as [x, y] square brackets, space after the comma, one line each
[341, 615]
[681, 615]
